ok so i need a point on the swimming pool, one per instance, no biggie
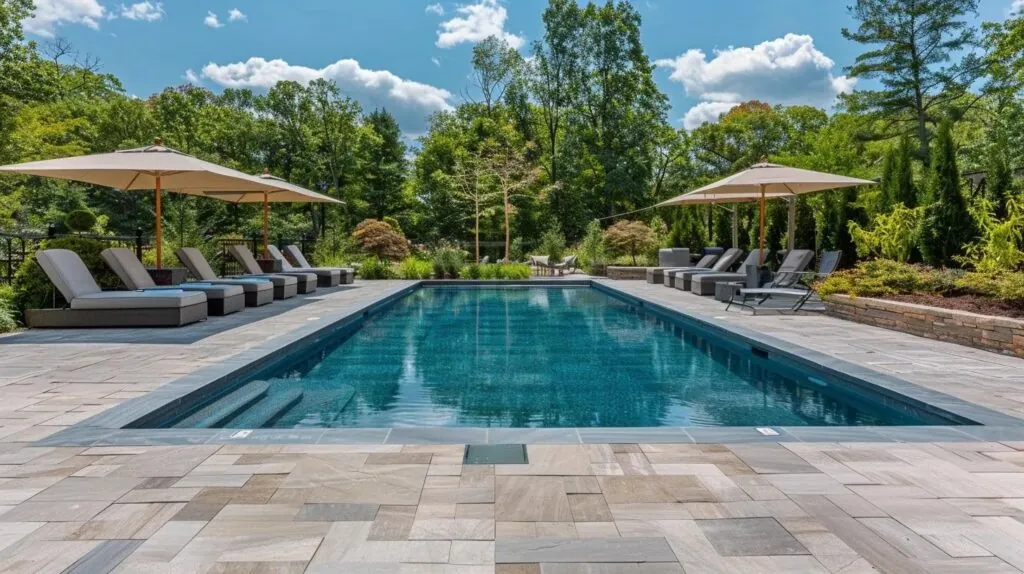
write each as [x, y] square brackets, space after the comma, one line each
[548, 357]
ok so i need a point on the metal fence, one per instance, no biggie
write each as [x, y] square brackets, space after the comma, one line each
[228, 265]
[16, 247]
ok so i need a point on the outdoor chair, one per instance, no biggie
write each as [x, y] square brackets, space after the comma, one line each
[789, 284]
[704, 283]
[90, 306]
[567, 264]
[682, 278]
[324, 277]
[705, 262]
[306, 282]
[258, 290]
[221, 299]
[674, 258]
[347, 275]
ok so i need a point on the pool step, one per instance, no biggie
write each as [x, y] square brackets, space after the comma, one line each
[226, 407]
[271, 409]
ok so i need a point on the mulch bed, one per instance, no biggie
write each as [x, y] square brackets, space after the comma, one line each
[969, 303]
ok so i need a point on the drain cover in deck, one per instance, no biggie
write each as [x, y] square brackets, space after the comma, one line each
[495, 454]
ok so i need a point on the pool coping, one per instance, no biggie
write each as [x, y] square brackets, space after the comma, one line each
[111, 427]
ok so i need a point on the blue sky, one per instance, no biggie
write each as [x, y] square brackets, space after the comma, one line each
[412, 56]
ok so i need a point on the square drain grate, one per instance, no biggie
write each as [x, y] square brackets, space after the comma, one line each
[495, 454]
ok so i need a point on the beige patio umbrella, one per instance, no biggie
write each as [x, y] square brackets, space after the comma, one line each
[154, 167]
[695, 198]
[773, 180]
[280, 191]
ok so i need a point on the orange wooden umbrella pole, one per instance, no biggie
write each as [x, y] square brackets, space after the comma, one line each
[761, 258]
[159, 228]
[266, 225]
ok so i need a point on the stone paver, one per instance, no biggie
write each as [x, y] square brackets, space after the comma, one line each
[831, 507]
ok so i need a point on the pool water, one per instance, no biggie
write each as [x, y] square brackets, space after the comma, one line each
[544, 357]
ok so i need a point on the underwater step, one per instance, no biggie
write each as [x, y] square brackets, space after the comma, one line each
[265, 412]
[227, 406]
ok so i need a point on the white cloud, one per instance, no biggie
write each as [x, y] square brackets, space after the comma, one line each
[787, 70]
[435, 9]
[411, 102]
[50, 14]
[236, 15]
[475, 23]
[146, 11]
[191, 77]
[436, 62]
[1016, 8]
[212, 21]
[706, 112]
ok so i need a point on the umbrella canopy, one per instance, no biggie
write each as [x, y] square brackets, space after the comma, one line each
[146, 168]
[282, 192]
[154, 167]
[764, 181]
[773, 179]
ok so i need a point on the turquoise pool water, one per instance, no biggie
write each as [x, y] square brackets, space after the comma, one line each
[538, 357]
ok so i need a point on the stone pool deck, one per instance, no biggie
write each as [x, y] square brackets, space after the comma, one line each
[839, 506]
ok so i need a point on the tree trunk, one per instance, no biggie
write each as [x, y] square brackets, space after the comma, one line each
[476, 231]
[507, 243]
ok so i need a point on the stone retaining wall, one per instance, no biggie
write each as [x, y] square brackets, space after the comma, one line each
[998, 334]
[627, 273]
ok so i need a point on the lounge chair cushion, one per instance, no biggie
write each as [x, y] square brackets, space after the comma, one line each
[674, 257]
[244, 257]
[67, 272]
[771, 291]
[128, 267]
[297, 255]
[156, 299]
[213, 292]
[193, 259]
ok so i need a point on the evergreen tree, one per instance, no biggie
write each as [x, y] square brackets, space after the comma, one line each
[776, 221]
[919, 51]
[903, 190]
[722, 226]
[998, 180]
[947, 226]
[805, 231]
[386, 165]
[846, 210]
[887, 185]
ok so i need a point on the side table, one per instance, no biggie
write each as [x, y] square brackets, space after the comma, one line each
[167, 275]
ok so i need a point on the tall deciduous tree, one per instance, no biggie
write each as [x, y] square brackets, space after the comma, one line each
[947, 227]
[916, 51]
[495, 67]
[386, 165]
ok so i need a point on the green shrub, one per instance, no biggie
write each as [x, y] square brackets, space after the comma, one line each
[32, 288]
[80, 220]
[335, 249]
[473, 271]
[1000, 285]
[412, 268]
[515, 250]
[7, 311]
[882, 277]
[393, 223]
[591, 251]
[448, 262]
[374, 268]
[552, 244]
[513, 271]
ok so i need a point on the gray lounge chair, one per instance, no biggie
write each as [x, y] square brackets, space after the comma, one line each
[788, 284]
[90, 306]
[220, 299]
[674, 258]
[347, 275]
[706, 263]
[681, 278]
[567, 264]
[241, 253]
[258, 290]
[704, 283]
[324, 277]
